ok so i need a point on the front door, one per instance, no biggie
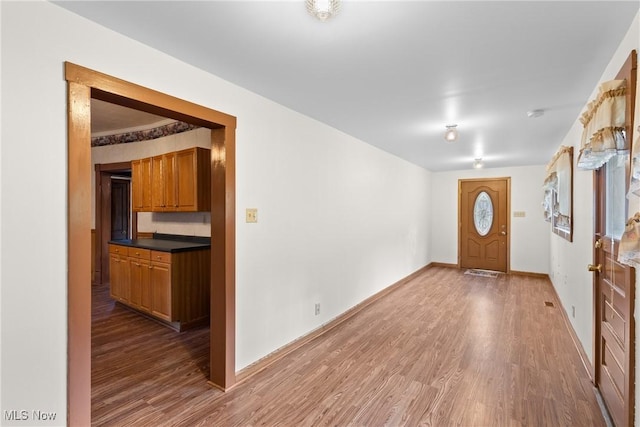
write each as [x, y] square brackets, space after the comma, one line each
[614, 294]
[484, 223]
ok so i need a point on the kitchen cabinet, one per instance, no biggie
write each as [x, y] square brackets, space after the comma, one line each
[139, 278]
[178, 181]
[141, 182]
[161, 279]
[164, 197]
[193, 179]
[170, 287]
[119, 273]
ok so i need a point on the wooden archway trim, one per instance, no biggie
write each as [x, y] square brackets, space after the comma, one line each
[82, 85]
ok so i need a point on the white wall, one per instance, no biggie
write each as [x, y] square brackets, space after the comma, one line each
[338, 219]
[183, 223]
[529, 235]
[569, 260]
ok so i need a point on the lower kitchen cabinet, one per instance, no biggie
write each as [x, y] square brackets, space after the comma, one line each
[119, 271]
[161, 279]
[171, 287]
[139, 279]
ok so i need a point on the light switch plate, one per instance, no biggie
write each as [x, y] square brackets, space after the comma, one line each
[518, 214]
[252, 215]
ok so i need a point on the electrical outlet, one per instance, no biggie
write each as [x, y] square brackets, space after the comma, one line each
[317, 308]
[573, 311]
[252, 215]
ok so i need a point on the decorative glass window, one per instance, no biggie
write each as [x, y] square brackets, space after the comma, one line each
[483, 213]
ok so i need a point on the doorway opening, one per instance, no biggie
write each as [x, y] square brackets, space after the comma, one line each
[82, 85]
[113, 213]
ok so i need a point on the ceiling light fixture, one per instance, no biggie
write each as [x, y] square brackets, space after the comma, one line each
[451, 134]
[477, 163]
[323, 9]
[532, 114]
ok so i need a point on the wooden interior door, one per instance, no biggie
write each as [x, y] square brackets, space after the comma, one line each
[614, 296]
[120, 209]
[483, 212]
[614, 283]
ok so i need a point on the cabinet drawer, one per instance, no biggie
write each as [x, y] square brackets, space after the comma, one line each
[139, 253]
[161, 256]
[117, 249]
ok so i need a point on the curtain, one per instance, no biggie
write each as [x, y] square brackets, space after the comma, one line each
[604, 126]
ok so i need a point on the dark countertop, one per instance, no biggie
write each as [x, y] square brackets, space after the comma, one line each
[167, 243]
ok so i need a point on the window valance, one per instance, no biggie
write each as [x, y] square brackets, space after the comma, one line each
[604, 126]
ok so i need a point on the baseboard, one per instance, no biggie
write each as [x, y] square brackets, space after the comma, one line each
[515, 272]
[574, 337]
[442, 264]
[278, 354]
[529, 274]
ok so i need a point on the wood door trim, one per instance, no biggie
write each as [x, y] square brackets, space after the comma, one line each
[508, 219]
[82, 85]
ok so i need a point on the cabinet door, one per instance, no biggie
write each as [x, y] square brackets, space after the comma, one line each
[139, 270]
[145, 286]
[170, 181]
[119, 273]
[141, 182]
[186, 178]
[157, 184]
[136, 184]
[193, 177]
[115, 277]
[161, 290]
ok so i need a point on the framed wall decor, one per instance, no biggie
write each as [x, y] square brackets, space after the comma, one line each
[558, 196]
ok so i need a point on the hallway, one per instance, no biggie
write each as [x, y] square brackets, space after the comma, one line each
[444, 349]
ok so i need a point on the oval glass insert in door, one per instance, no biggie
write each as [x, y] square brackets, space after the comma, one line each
[483, 213]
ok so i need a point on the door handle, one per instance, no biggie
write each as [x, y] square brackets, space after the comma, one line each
[503, 233]
[598, 244]
[597, 268]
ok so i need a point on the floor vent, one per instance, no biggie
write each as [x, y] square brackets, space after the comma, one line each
[548, 303]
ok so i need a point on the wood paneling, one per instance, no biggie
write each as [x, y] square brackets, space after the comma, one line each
[441, 349]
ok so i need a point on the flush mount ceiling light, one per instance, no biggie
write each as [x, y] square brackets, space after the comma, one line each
[477, 163]
[451, 134]
[323, 9]
[532, 114]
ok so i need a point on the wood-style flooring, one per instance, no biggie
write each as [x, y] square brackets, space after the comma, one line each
[445, 349]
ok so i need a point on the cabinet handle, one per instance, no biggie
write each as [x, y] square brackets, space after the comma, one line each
[158, 256]
[150, 267]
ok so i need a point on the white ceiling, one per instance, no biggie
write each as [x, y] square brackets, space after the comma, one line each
[394, 73]
[109, 119]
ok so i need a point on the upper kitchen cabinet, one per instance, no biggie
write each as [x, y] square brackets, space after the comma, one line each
[193, 179]
[164, 192]
[178, 181]
[141, 185]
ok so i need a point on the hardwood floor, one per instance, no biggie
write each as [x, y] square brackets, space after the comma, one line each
[446, 349]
